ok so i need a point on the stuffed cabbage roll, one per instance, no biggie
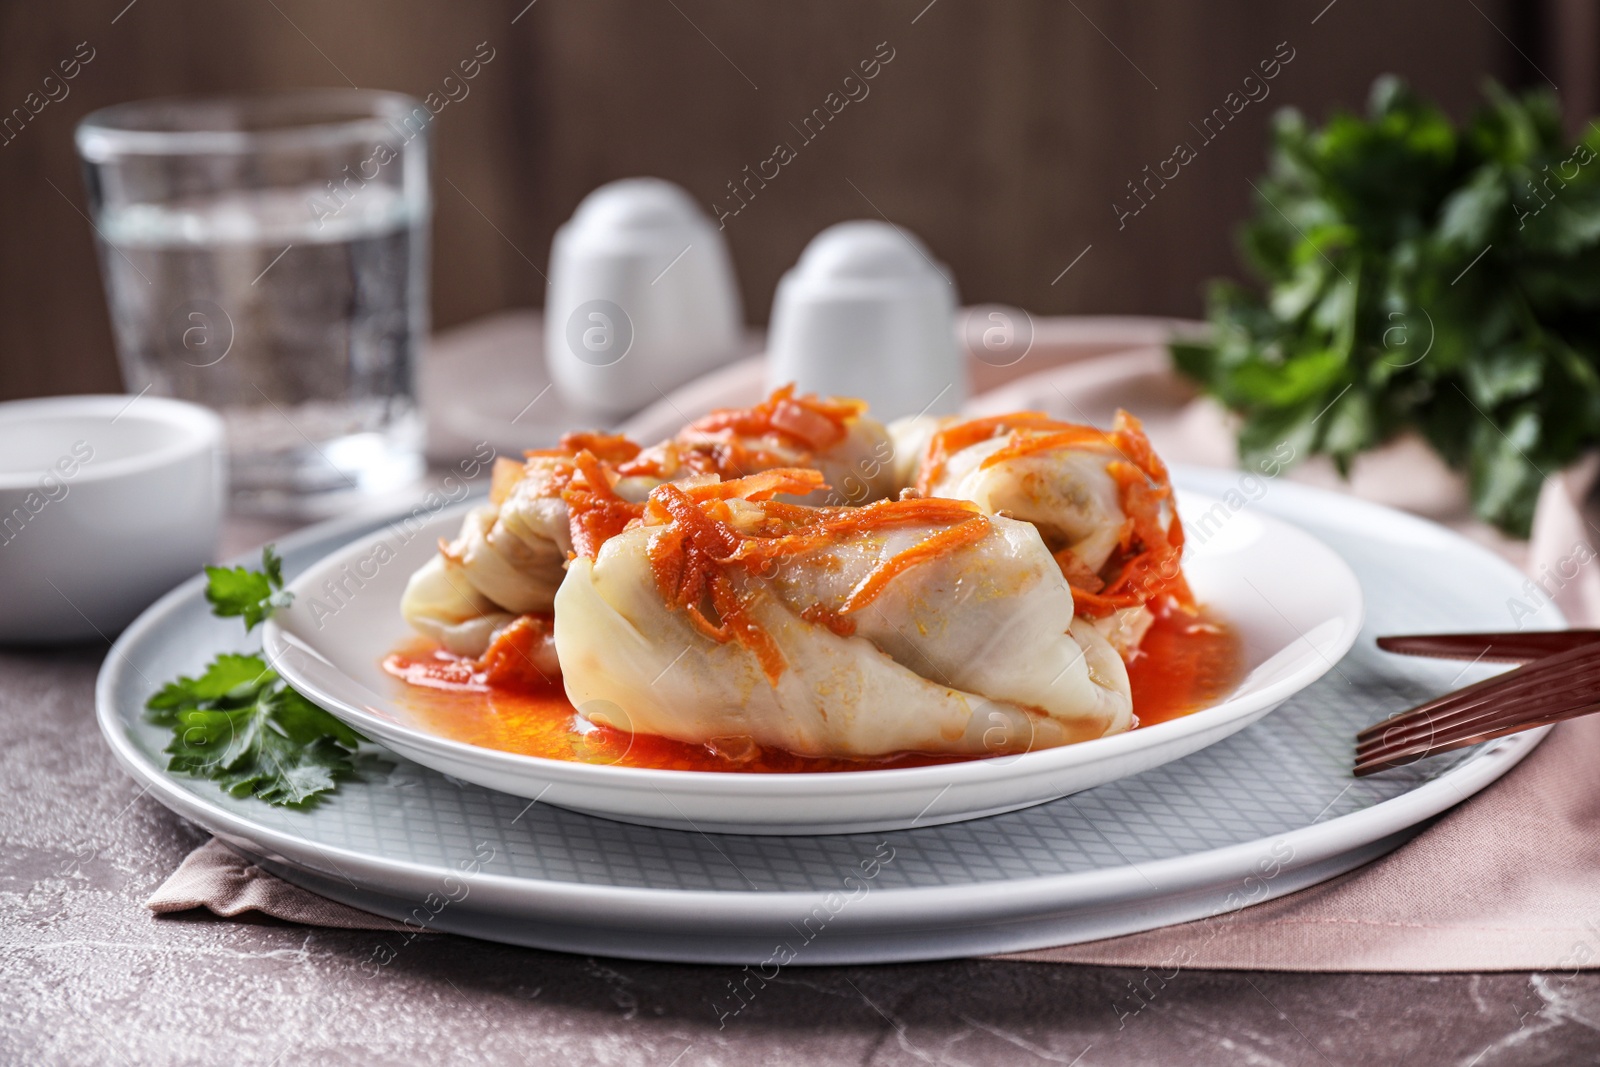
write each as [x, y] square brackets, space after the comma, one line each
[727, 617]
[511, 554]
[1101, 501]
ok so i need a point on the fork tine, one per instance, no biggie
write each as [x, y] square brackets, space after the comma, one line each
[1562, 683]
[1391, 760]
[1452, 709]
[1555, 688]
[1459, 733]
[1522, 681]
[1544, 683]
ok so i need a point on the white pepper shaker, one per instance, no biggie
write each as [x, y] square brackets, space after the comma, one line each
[641, 299]
[867, 313]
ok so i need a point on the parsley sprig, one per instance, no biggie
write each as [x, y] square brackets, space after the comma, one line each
[241, 725]
[252, 594]
[1419, 274]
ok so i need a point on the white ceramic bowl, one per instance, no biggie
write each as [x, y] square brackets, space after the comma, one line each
[1294, 603]
[106, 502]
[868, 313]
[642, 298]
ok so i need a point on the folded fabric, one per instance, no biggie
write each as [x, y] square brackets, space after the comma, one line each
[220, 880]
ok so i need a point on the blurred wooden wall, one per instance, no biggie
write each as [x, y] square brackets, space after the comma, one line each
[1000, 132]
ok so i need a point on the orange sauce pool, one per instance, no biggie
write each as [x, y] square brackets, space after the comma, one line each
[1184, 664]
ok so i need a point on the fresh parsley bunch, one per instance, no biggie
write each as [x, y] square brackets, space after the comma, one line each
[1420, 275]
[239, 723]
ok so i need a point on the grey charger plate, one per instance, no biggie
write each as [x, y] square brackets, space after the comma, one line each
[1268, 811]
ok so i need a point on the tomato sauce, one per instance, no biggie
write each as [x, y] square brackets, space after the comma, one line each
[1184, 663]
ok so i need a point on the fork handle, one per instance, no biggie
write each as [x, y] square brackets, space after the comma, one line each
[1490, 647]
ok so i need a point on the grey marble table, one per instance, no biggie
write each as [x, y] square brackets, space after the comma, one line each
[88, 976]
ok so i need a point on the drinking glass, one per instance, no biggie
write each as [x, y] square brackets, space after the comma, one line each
[268, 257]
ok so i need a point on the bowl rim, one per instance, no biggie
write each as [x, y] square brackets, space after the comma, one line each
[287, 650]
[199, 430]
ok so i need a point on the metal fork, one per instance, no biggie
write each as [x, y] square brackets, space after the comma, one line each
[1559, 679]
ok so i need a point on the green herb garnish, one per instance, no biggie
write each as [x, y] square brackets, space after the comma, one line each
[240, 724]
[1420, 275]
[242, 591]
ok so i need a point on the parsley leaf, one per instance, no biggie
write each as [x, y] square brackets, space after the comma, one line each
[239, 723]
[278, 748]
[252, 594]
[231, 680]
[1419, 275]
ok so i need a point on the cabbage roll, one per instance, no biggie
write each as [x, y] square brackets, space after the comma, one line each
[511, 554]
[727, 616]
[440, 604]
[1101, 501]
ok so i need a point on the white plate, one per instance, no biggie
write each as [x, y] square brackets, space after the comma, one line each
[1294, 603]
[1270, 810]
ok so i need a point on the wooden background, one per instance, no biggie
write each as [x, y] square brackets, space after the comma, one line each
[1001, 132]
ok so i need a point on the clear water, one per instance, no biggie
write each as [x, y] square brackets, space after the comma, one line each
[305, 337]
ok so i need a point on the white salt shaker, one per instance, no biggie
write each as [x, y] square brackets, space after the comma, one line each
[641, 298]
[867, 313]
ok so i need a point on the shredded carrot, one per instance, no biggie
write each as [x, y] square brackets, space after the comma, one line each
[764, 486]
[825, 526]
[693, 554]
[812, 423]
[783, 430]
[595, 513]
[727, 458]
[595, 476]
[612, 448]
[818, 615]
[960, 535]
[1147, 567]
[1132, 442]
[1040, 442]
[685, 558]
[952, 439]
[508, 661]
[816, 429]
[1151, 572]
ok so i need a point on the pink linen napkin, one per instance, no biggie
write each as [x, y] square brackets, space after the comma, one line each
[223, 882]
[1505, 881]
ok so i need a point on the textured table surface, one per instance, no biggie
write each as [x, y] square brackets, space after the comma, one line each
[88, 976]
